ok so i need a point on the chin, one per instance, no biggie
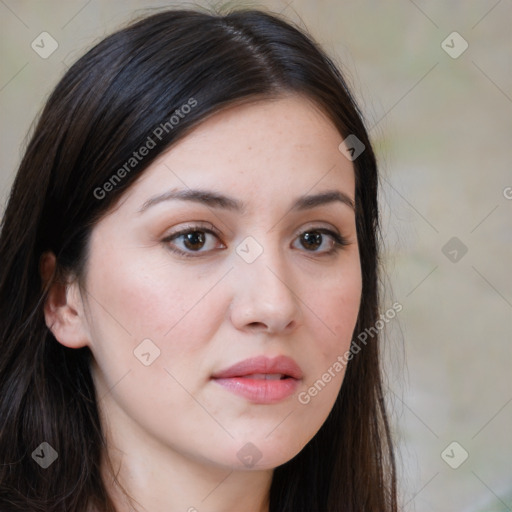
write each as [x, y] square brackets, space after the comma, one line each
[265, 454]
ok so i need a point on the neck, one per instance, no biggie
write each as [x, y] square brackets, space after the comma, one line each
[159, 480]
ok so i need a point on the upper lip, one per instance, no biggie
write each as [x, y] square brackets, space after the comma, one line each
[263, 365]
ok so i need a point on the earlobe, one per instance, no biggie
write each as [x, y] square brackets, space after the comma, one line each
[63, 309]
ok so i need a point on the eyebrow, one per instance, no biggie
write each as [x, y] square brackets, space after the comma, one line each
[215, 200]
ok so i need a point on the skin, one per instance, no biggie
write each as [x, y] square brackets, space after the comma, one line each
[173, 433]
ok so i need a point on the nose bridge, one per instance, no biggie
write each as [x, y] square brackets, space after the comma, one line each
[263, 260]
[264, 290]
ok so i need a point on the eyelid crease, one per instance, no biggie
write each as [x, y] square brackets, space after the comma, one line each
[196, 226]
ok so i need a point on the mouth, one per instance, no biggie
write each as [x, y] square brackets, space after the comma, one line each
[261, 380]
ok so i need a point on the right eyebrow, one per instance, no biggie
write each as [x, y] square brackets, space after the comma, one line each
[206, 197]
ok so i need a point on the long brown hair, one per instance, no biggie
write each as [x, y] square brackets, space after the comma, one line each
[102, 110]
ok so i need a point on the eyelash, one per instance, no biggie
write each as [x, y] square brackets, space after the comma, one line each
[339, 240]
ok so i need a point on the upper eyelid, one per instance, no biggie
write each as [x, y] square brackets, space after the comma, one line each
[186, 228]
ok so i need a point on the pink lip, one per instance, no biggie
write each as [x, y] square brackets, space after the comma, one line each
[259, 390]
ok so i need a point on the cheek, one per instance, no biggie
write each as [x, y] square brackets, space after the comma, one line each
[133, 300]
[339, 307]
[146, 296]
[152, 312]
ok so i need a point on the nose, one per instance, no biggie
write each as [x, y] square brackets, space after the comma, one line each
[264, 298]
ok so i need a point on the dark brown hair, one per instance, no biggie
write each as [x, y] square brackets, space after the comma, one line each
[102, 110]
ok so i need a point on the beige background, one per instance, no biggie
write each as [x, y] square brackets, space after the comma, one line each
[442, 127]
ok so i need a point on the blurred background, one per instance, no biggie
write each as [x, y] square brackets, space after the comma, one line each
[434, 80]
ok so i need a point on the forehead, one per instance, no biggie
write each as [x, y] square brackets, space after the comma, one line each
[262, 153]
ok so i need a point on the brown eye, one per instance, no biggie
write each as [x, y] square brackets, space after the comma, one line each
[311, 240]
[314, 239]
[194, 240]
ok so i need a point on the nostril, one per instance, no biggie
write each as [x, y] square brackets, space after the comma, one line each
[257, 325]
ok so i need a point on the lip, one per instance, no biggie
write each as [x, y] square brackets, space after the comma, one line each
[259, 390]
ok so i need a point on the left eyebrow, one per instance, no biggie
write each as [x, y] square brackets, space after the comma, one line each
[216, 200]
[330, 196]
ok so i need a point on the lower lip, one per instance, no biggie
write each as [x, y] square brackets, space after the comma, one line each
[260, 391]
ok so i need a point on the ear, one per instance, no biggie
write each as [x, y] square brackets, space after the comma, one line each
[63, 309]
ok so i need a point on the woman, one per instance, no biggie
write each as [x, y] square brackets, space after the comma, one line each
[188, 252]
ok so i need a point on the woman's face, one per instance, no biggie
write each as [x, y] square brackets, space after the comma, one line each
[197, 307]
